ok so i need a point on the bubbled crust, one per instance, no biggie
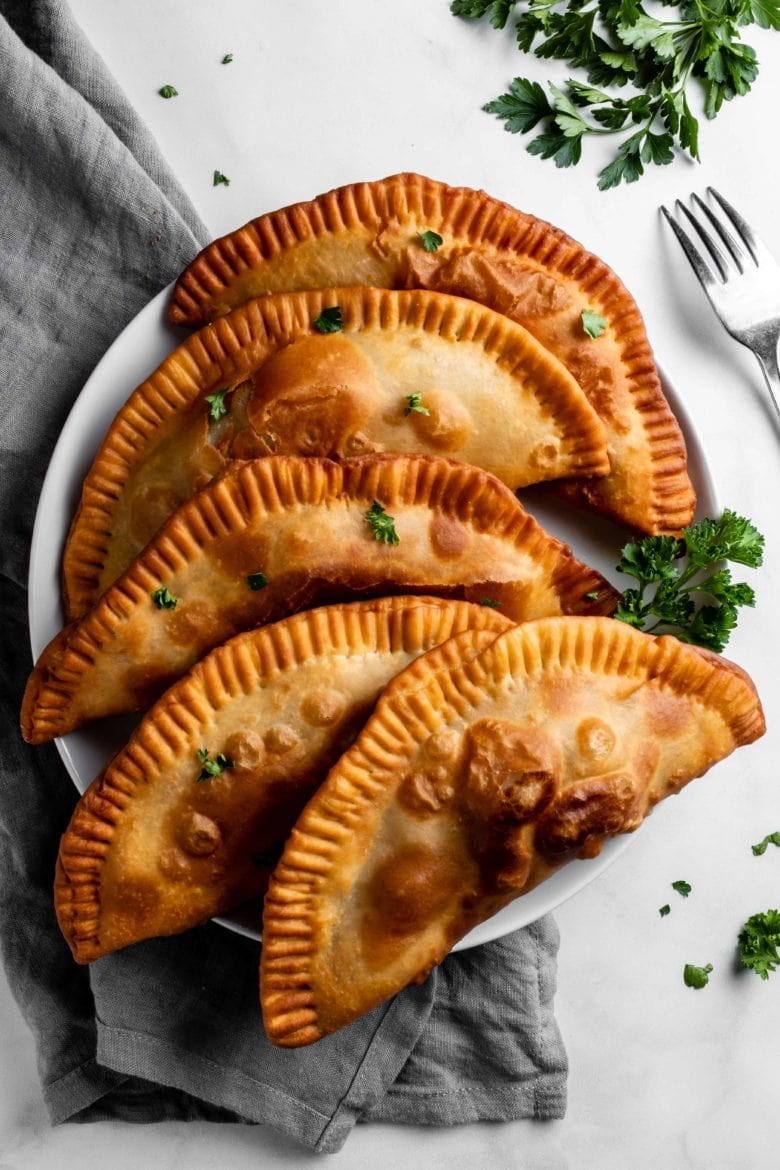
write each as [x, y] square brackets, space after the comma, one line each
[479, 779]
[509, 260]
[301, 522]
[151, 851]
[496, 398]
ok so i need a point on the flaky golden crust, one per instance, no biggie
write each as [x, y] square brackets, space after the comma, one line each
[468, 786]
[153, 847]
[511, 261]
[492, 396]
[302, 524]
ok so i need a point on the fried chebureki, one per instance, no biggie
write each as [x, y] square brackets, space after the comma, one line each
[280, 534]
[172, 832]
[372, 233]
[408, 372]
[468, 786]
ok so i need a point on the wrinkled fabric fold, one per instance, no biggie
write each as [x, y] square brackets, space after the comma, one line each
[92, 225]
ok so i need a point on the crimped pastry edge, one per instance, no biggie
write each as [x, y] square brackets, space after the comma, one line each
[234, 345]
[471, 217]
[170, 727]
[252, 490]
[429, 693]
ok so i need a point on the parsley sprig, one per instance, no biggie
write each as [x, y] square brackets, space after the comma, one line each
[758, 942]
[616, 43]
[212, 767]
[677, 604]
[381, 524]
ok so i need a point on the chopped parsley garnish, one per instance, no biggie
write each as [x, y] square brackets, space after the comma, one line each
[696, 976]
[414, 403]
[663, 54]
[382, 525]
[758, 942]
[490, 603]
[770, 839]
[220, 180]
[329, 320]
[676, 604]
[431, 241]
[593, 323]
[227, 58]
[168, 91]
[664, 910]
[683, 888]
[217, 404]
[257, 581]
[211, 768]
[593, 595]
[164, 599]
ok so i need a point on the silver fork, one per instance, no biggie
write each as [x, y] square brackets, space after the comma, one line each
[739, 275]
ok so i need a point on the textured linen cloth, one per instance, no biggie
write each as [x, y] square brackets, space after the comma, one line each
[92, 224]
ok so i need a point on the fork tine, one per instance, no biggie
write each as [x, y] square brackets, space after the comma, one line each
[736, 252]
[695, 258]
[760, 253]
[707, 240]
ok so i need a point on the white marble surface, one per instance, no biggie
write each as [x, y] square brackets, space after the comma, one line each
[321, 94]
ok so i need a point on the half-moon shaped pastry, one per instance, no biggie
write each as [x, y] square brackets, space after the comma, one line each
[372, 233]
[409, 372]
[284, 533]
[471, 786]
[188, 820]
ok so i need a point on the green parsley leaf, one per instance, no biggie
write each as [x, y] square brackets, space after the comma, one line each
[211, 768]
[257, 581]
[382, 525]
[697, 977]
[490, 603]
[220, 180]
[227, 58]
[431, 241]
[682, 887]
[164, 599]
[522, 107]
[414, 403]
[168, 91]
[688, 601]
[761, 847]
[593, 323]
[758, 942]
[664, 910]
[662, 55]
[498, 10]
[329, 320]
[216, 403]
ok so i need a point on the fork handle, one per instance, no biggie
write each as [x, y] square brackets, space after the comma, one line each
[767, 359]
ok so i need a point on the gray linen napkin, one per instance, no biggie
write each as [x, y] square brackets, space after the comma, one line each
[92, 224]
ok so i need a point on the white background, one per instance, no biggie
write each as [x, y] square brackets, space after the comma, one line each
[323, 94]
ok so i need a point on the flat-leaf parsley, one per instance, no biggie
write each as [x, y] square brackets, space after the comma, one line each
[758, 942]
[382, 525]
[211, 768]
[688, 600]
[662, 54]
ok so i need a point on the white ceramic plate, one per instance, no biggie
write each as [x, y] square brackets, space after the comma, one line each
[135, 353]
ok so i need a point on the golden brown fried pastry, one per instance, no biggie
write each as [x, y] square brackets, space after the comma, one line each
[409, 372]
[280, 534]
[467, 787]
[370, 233]
[189, 819]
